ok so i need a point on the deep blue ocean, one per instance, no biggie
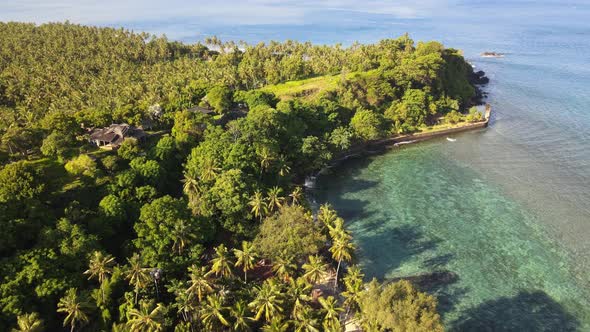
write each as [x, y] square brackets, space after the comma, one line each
[508, 208]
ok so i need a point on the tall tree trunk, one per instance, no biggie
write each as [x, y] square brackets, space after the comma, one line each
[337, 271]
[136, 293]
[102, 292]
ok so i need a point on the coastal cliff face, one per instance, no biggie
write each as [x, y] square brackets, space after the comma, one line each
[478, 80]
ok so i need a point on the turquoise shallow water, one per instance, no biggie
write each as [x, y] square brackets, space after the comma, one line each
[414, 211]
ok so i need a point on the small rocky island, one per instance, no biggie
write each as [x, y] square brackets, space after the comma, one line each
[492, 55]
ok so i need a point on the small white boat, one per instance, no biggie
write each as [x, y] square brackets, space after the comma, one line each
[451, 139]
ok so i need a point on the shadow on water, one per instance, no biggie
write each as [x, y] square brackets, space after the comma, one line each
[385, 249]
[527, 311]
[389, 248]
[385, 246]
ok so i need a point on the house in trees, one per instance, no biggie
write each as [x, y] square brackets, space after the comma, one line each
[203, 110]
[112, 137]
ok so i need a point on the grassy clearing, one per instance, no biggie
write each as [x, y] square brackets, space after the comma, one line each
[307, 89]
[311, 88]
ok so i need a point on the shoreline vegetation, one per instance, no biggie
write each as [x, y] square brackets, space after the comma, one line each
[197, 221]
[424, 134]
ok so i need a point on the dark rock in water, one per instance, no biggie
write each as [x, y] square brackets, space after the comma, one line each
[429, 280]
[483, 80]
[479, 78]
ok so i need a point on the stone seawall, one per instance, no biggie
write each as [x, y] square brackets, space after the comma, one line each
[370, 147]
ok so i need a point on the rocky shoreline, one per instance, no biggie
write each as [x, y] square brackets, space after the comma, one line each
[478, 79]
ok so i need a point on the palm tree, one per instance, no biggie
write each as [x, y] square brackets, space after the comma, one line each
[353, 274]
[246, 258]
[183, 301]
[296, 196]
[276, 324]
[137, 275]
[182, 235]
[267, 301]
[284, 266]
[331, 313]
[341, 249]
[239, 313]
[192, 190]
[354, 288]
[190, 184]
[258, 205]
[29, 323]
[299, 291]
[284, 168]
[326, 214]
[209, 170]
[221, 263]
[265, 160]
[315, 269]
[185, 305]
[146, 319]
[199, 285]
[305, 321]
[337, 229]
[76, 308]
[121, 327]
[274, 198]
[100, 266]
[212, 312]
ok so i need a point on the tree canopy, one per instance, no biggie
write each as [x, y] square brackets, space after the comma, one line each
[202, 224]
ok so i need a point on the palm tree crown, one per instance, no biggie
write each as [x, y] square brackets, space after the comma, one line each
[182, 236]
[268, 300]
[258, 205]
[146, 319]
[29, 323]
[213, 312]
[76, 308]
[192, 190]
[284, 266]
[245, 258]
[221, 263]
[199, 284]
[240, 315]
[331, 313]
[100, 266]
[305, 321]
[341, 249]
[296, 196]
[315, 269]
[275, 199]
[137, 275]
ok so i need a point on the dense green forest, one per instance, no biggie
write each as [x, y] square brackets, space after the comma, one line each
[204, 225]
